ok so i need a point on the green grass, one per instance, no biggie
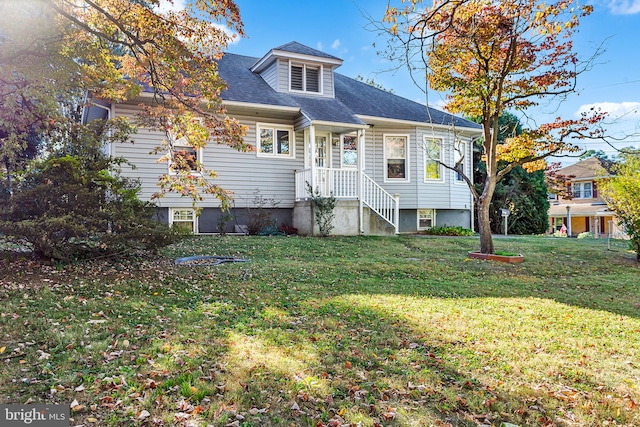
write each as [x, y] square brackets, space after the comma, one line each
[402, 331]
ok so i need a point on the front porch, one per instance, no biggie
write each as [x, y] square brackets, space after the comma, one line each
[357, 194]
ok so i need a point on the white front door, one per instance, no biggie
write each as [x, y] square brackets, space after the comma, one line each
[322, 162]
[322, 151]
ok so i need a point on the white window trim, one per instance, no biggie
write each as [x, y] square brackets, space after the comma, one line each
[440, 142]
[406, 155]
[276, 128]
[581, 185]
[558, 222]
[304, 66]
[433, 219]
[342, 150]
[193, 212]
[465, 168]
[183, 142]
[199, 158]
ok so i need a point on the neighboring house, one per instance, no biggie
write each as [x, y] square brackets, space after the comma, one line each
[585, 210]
[373, 150]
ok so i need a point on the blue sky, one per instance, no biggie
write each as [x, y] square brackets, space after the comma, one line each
[341, 28]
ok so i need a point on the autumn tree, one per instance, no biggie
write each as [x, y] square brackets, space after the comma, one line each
[622, 194]
[116, 50]
[524, 193]
[490, 57]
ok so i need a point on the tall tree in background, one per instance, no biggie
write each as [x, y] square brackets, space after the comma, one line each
[524, 193]
[490, 57]
[622, 194]
[117, 49]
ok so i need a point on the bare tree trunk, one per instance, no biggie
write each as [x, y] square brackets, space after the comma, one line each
[484, 225]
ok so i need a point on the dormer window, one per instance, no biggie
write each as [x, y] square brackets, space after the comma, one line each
[305, 78]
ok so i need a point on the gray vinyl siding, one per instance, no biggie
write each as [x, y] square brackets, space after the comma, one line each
[283, 78]
[416, 193]
[270, 75]
[301, 122]
[147, 168]
[243, 173]
[327, 82]
[283, 75]
[249, 176]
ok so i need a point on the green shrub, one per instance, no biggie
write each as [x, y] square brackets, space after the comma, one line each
[586, 235]
[323, 210]
[73, 204]
[447, 230]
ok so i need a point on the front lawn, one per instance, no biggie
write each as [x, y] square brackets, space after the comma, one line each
[360, 331]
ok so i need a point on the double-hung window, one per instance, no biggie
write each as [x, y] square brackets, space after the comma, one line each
[305, 78]
[184, 158]
[558, 222]
[396, 158]
[582, 190]
[432, 159]
[184, 219]
[275, 140]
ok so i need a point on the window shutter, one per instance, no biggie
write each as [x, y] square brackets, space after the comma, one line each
[313, 79]
[296, 77]
[595, 190]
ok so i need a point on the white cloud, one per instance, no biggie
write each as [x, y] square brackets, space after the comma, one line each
[171, 5]
[615, 110]
[336, 44]
[319, 46]
[624, 7]
[234, 38]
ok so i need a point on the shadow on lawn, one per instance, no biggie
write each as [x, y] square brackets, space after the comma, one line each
[306, 342]
[349, 362]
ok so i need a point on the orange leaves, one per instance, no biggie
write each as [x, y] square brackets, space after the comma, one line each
[488, 55]
[118, 49]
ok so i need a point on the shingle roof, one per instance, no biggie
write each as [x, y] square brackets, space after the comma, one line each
[246, 86]
[352, 97]
[295, 47]
[588, 168]
[368, 100]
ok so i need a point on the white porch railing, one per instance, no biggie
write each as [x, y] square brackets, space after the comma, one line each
[381, 202]
[344, 184]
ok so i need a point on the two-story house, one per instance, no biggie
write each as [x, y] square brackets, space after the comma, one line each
[376, 152]
[585, 210]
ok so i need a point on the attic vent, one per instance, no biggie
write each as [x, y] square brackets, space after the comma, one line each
[296, 77]
[312, 79]
[305, 78]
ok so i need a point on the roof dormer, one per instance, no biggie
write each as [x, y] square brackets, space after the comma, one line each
[298, 69]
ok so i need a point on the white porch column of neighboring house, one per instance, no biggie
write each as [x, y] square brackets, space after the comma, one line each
[568, 221]
[360, 150]
[312, 156]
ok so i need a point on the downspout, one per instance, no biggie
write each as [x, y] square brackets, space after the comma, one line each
[472, 209]
[312, 148]
[361, 143]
